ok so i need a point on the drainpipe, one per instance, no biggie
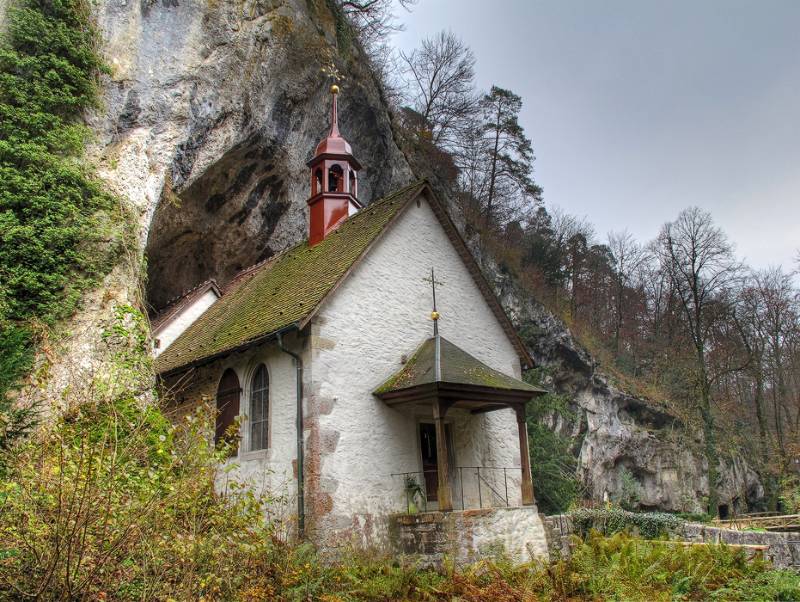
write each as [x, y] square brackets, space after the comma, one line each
[301, 511]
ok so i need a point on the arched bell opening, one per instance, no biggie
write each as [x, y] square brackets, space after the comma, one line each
[352, 188]
[335, 178]
[316, 182]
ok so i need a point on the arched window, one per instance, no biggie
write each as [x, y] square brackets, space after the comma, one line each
[352, 190]
[227, 407]
[317, 182]
[259, 409]
[335, 179]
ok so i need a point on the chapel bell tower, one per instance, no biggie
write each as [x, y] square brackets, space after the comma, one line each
[334, 182]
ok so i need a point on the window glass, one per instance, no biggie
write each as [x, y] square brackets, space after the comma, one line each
[259, 409]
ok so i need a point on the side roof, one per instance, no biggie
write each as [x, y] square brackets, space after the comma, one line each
[174, 307]
[286, 291]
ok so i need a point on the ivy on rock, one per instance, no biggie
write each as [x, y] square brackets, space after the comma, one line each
[52, 211]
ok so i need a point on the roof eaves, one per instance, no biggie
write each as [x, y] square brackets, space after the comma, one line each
[238, 348]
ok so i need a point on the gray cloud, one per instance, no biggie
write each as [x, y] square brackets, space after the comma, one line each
[639, 109]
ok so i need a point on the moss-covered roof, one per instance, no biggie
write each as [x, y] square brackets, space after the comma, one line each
[456, 366]
[283, 291]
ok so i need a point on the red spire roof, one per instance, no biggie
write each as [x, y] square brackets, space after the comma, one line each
[334, 143]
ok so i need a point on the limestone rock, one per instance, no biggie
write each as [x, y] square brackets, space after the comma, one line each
[623, 442]
[211, 112]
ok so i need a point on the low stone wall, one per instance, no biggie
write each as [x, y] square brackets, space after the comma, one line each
[468, 535]
[559, 530]
[781, 552]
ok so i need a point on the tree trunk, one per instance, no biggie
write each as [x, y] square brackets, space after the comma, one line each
[769, 480]
[709, 435]
[493, 173]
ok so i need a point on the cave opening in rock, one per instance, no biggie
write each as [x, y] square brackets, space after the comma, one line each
[220, 224]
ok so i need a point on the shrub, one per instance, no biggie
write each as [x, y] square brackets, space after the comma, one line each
[553, 466]
[629, 494]
[621, 567]
[790, 494]
[113, 500]
[109, 499]
[609, 521]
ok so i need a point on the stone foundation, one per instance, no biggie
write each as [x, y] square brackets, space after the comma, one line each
[469, 535]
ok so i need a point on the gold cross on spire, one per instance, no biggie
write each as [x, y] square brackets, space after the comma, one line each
[434, 313]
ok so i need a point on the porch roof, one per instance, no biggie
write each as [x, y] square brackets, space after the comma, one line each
[440, 369]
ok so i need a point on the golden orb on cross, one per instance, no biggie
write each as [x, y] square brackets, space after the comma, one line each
[434, 315]
[334, 89]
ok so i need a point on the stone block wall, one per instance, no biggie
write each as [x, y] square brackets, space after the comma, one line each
[559, 530]
[468, 535]
[782, 552]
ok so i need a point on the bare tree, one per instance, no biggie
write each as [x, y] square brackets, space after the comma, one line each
[374, 20]
[750, 319]
[571, 235]
[628, 256]
[779, 303]
[441, 76]
[699, 260]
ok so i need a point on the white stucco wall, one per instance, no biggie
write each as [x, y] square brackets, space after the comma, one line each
[379, 314]
[271, 471]
[185, 318]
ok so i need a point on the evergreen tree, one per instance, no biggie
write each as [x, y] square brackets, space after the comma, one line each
[508, 156]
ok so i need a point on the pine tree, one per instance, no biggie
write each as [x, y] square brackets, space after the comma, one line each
[508, 156]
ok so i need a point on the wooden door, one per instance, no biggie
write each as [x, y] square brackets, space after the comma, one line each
[228, 393]
[430, 468]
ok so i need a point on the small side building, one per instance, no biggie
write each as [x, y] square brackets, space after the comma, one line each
[376, 378]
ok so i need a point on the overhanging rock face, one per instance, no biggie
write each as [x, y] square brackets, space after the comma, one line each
[469, 535]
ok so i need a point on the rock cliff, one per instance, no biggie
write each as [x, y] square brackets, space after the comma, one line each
[212, 110]
[625, 445]
[210, 113]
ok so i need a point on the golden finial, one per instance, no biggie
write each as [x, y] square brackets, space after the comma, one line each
[334, 89]
[435, 312]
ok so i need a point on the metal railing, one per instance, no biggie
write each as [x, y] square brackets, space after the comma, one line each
[471, 487]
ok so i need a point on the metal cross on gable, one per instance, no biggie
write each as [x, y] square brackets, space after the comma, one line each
[434, 313]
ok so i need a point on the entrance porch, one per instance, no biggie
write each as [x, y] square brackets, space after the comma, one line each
[444, 387]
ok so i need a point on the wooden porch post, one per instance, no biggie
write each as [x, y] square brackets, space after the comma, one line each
[525, 457]
[444, 494]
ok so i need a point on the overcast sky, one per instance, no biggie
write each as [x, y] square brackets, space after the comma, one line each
[639, 108]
